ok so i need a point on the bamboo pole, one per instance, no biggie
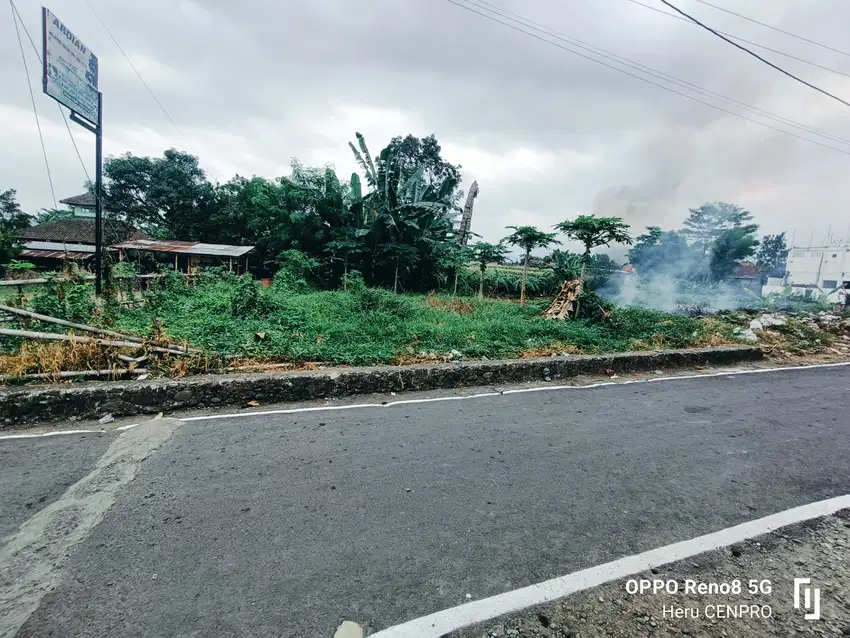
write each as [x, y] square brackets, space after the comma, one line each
[78, 326]
[49, 336]
[68, 374]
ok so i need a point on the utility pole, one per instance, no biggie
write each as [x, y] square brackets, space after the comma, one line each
[98, 199]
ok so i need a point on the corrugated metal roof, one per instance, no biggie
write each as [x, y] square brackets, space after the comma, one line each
[54, 254]
[57, 245]
[185, 247]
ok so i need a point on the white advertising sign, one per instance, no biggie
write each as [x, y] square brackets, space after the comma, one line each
[70, 68]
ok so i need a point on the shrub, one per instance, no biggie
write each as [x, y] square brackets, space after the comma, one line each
[247, 298]
[65, 297]
[297, 271]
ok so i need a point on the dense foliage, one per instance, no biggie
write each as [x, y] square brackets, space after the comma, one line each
[772, 255]
[397, 229]
[716, 238]
[12, 220]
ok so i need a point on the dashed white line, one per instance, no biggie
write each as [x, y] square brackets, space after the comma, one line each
[390, 404]
[443, 622]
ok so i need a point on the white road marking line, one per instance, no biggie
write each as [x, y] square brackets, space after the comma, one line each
[443, 622]
[32, 560]
[127, 427]
[390, 404]
[43, 434]
[547, 388]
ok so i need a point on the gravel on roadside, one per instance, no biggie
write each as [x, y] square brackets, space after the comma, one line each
[818, 549]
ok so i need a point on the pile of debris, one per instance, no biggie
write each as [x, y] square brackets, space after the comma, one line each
[565, 301]
[763, 322]
[796, 333]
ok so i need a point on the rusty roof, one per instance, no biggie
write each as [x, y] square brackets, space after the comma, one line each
[185, 247]
[56, 250]
[54, 254]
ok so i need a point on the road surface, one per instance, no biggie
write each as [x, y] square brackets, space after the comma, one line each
[287, 524]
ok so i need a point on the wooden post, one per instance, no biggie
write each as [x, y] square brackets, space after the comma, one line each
[176, 269]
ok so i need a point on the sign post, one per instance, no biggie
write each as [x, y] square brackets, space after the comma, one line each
[69, 76]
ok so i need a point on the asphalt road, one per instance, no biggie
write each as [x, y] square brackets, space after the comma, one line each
[285, 525]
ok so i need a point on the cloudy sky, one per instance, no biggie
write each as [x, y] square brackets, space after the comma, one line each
[546, 133]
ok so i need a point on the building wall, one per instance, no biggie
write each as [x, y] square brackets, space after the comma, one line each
[82, 211]
[827, 267]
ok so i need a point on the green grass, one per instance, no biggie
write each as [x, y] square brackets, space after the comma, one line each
[371, 326]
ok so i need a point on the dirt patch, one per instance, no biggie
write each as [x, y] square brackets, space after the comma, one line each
[764, 568]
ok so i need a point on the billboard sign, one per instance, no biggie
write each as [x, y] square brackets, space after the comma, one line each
[70, 68]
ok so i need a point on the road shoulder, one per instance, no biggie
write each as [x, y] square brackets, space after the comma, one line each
[817, 549]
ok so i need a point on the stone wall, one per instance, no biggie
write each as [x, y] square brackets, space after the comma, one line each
[89, 400]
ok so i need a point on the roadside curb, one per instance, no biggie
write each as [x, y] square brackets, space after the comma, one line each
[31, 405]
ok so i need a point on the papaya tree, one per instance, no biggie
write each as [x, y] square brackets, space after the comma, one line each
[529, 238]
[593, 231]
[485, 253]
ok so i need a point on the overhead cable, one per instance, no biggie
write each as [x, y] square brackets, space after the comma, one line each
[755, 55]
[133, 66]
[770, 26]
[642, 79]
[32, 99]
[740, 39]
[58, 106]
[653, 72]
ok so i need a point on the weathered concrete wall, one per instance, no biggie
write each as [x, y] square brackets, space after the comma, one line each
[33, 404]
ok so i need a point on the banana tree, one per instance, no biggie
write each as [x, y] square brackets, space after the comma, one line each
[402, 210]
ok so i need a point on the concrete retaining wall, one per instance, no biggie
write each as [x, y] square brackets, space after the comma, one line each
[34, 404]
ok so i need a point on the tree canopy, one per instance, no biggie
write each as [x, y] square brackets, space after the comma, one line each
[715, 240]
[529, 238]
[772, 255]
[396, 227]
[12, 220]
[594, 231]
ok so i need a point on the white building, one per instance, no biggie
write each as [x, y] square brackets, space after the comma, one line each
[816, 271]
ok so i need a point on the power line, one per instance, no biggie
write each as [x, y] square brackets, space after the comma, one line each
[649, 70]
[32, 99]
[755, 55]
[770, 26]
[139, 75]
[642, 79]
[58, 106]
[133, 66]
[740, 39]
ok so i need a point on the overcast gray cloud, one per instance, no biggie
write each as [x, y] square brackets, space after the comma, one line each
[547, 134]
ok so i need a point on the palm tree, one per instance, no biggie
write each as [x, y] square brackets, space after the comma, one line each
[484, 254]
[529, 238]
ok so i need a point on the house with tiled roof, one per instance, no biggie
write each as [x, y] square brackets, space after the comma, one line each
[73, 237]
[80, 205]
